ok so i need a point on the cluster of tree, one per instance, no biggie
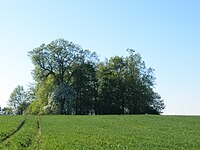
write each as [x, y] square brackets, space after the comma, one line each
[71, 80]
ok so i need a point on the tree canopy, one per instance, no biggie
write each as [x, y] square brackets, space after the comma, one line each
[18, 101]
[71, 80]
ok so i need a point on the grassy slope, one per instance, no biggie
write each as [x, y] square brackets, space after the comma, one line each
[120, 132]
[9, 124]
[24, 138]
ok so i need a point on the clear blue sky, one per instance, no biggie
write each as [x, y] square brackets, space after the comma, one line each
[165, 32]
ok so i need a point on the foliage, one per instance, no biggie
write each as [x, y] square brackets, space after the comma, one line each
[34, 108]
[120, 85]
[54, 59]
[31, 92]
[17, 100]
[62, 100]
[84, 82]
[7, 111]
[126, 86]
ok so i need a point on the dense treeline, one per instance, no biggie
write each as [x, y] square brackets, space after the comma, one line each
[71, 80]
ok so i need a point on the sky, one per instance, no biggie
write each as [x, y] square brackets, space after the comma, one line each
[165, 32]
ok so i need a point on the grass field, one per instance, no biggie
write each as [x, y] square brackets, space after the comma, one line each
[100, 132]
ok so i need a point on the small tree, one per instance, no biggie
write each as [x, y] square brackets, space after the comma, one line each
[61, 100]
[7, 110]
[17, 100]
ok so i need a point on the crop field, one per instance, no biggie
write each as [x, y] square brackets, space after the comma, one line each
[99, 132]
[9, 124]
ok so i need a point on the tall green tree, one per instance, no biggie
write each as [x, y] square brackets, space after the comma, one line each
[106, 101]
[57, 63]
[84, 82]
[55, 59]
[127, 86]
[112, 86]
[140, 95]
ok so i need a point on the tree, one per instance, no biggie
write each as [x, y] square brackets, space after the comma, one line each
[62, 100]
[55, 59]
[140, 95]
[126, 86]
[112, 86]
[7, 111]
[41, 92]
[55, 65]
[84, 82]
[31, 92]
[17, 100]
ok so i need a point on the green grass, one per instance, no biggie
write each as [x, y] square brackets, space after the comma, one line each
[121, 132]
[109, 132]
[9, 124]
[24, 138]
